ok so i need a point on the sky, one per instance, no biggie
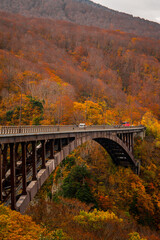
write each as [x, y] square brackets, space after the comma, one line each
[147, 9]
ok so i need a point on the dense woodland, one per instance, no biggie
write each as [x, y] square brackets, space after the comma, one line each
[126, 203]
[89, 197]
[83, 12]
[67, 74]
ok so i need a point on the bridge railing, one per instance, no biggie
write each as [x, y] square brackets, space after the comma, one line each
[5, 130]
[9, 130]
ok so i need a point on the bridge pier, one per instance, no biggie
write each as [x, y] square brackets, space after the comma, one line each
[142, 134]
[24, 170]
[55, 161]
[43, 154]
[4, 166]
[127, 139]
[52, 142]
[131, 142]
[59, 144]
[13, 176]
[123, 138]
[34, 161]
[1, 188]
[16, 153]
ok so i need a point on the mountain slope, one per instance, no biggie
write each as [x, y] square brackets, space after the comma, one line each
[51, 58]
[83, 12]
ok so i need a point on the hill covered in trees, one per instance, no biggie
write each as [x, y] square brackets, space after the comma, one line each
[91, 198]
[70, 73]
[83, 12]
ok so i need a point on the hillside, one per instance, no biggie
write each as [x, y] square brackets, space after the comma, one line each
[83, 12]
[88, 180]
[105, 72]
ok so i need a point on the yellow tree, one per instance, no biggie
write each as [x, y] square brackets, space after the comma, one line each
[89, 112]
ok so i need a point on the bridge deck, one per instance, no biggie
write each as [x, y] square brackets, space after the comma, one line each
[37, 133]
[27, 130]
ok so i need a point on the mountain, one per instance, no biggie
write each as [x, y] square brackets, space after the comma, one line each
[83, 12]
[63, 64]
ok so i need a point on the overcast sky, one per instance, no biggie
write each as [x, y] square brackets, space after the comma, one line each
[147, 9]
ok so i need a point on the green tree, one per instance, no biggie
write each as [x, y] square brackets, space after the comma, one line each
[76, 185]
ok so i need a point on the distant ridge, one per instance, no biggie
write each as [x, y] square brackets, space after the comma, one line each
[83, 12]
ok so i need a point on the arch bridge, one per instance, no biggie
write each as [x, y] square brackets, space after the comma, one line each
[29, 154]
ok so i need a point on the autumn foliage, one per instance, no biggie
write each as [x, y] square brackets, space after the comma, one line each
[76, 73]
[13, 225]
[83, 12]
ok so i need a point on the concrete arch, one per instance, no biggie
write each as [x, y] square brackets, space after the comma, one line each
[111, 143]
[118, 152]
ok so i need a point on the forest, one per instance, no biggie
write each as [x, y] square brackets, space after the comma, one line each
[83, 12]
[89, 197]
[66, 74]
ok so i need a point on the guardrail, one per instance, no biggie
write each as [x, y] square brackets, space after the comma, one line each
[7, 130]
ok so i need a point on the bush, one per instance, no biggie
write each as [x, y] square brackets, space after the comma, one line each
[135, 236]
[13, 225]
[75, 185]
[96, 219]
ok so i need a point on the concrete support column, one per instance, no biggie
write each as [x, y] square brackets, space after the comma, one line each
[129, 138]
[1, 189]
[52, 141]
[43, 154]
[13, 176]
[34, 161]
[129, 141]
[75, 141]
[60, 145]
[16, 153]
[123, 138]
[69, 146]
[24, 170]
[67, 141]
[138, 167]
[4, 166]
[126, 139]
[132, 142]
[142, 134]
[55, 161]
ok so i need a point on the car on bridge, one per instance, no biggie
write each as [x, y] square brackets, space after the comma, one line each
[82, 125]
[125, 124]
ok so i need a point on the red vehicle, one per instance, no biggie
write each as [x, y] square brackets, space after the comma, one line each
[125, 124]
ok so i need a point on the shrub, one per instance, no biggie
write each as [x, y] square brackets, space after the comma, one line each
[96, 219]
[135, 236]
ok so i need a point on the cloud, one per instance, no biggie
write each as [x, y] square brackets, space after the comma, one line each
[147, 9]
[158, 19]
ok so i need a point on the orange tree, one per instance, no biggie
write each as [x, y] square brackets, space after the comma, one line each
[15, 226]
